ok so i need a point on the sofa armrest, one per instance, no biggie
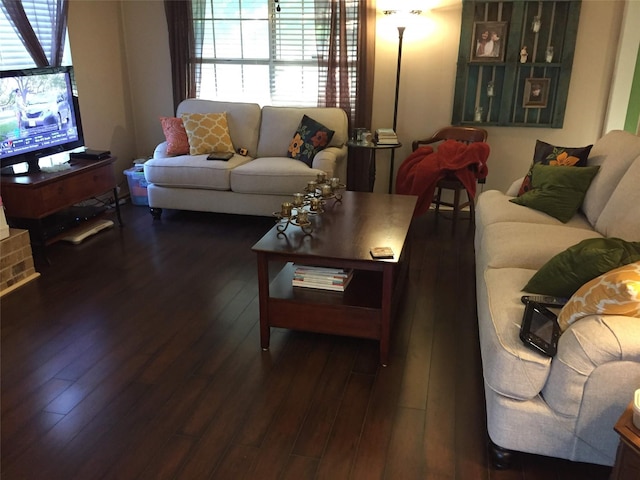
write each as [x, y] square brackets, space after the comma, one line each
[514, 188]
[596, 342]
[161, 151]
[329, 160]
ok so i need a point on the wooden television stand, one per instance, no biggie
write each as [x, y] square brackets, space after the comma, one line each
[31, 199]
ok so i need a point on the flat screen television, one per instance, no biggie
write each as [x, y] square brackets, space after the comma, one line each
[39, 117]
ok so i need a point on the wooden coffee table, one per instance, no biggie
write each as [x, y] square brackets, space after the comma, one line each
[342, 237]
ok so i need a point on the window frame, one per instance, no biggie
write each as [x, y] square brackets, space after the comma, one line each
[275, 62]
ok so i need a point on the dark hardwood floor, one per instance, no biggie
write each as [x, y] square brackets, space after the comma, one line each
[136, 355]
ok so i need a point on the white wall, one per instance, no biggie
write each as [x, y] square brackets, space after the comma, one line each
[625, 67]
[120, 51]
[98, 51]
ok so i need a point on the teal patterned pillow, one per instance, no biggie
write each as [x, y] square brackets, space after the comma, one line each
[309, 139]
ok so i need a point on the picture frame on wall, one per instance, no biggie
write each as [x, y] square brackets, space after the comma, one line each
[488, 41]
[536, 92]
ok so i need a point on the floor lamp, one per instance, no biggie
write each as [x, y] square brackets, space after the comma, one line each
[401, 30]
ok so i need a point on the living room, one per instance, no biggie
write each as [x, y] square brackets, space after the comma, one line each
[139, 353]
[124, 80]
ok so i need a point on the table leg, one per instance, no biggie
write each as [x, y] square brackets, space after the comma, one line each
[263, 296]
[385, 320]
[115, 197]
[372, 168]
[391, 169]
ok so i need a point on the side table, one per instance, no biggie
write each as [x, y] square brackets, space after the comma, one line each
[627, 466]
[372, 148]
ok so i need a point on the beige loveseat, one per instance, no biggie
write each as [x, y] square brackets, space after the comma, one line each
[253, 184]
[567, 406]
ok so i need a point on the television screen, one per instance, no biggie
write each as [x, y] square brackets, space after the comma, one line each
[39, 115]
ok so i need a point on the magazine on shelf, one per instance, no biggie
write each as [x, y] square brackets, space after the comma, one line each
[322, 286]
[322, 271]
[326, 278]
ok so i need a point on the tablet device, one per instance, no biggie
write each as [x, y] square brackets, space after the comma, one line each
[220, 156]
[540, 330]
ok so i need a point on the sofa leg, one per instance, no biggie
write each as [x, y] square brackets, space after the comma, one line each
[156, 213]
[501, 458]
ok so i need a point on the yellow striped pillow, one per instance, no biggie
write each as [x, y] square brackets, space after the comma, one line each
[616, 292]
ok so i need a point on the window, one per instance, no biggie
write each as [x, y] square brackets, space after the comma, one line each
[13, 53]
[271, 52]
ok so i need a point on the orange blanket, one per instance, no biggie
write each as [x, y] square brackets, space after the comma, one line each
[420, 171]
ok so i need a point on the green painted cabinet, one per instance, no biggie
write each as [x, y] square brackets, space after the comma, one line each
[514, 62]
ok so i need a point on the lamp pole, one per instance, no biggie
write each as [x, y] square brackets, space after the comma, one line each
[395, 108]
[395, 105]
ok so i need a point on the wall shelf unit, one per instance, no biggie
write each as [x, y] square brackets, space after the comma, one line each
[528, 91]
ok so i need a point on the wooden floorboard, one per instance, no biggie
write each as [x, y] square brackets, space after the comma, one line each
[136, 355]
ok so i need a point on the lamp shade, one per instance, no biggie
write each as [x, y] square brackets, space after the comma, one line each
[402, 17]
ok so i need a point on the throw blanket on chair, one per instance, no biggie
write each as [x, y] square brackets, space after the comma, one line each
[421, 171]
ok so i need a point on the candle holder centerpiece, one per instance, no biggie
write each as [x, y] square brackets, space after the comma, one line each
[304, 205]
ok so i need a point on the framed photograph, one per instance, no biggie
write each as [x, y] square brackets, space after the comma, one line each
[488, 42]
[536, 92]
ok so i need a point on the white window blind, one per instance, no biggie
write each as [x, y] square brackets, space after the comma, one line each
[251, 51]
[13, 54]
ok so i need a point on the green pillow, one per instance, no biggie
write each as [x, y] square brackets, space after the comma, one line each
[557, 191]
[565, 273]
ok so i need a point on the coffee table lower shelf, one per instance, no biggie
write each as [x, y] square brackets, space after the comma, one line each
[356, 312]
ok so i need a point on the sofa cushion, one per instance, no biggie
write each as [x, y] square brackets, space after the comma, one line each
[526, 245]
[279, 123]
[547, 154]
[621, 214]
[272, 175]
[557, 191]
[509, 367]
[309, 138]
[566, 272]
[613, 293]
[192, 171]
[493, 206]
[614, 153]
[207, 132]
[175, 136]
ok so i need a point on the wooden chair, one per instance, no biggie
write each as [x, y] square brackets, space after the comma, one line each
[451, 182]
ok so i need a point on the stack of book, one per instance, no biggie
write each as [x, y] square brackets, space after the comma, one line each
[386, 136]
[325, 278]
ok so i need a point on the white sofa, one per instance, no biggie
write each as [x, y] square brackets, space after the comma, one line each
[253, 184]
[563, 407]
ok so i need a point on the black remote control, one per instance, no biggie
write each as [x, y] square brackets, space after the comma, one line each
[545, 300]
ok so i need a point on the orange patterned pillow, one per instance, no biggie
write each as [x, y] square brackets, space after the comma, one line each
[616, 292]
[207, 132]
[176, 136]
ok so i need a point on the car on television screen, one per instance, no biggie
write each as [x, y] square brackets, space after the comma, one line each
[45, 112]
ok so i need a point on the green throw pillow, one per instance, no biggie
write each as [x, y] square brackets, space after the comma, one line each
[548, 154]
[565, 273]
[557, 191]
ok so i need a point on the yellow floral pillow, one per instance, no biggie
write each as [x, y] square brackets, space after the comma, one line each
[207, 132]
[613, 293]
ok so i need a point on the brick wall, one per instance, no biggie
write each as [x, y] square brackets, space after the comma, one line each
[16, 260]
